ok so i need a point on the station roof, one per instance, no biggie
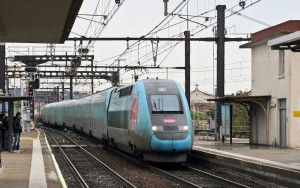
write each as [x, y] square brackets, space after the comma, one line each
[290, 41]
[263, 36]
[242, 98]
[37, 21]
[14, 98]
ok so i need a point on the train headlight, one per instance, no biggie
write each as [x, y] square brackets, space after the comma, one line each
[157, 128]
[185, 127]
[154, 128]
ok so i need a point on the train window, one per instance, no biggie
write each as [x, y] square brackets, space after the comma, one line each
[165, 104]
[125, 91]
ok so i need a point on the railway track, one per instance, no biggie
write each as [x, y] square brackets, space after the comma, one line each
[189, 174]
[184, 175]
[192, 177]
[88, 170]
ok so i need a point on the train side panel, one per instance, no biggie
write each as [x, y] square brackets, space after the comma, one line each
[59, 113]
[69, 114]
[78, 115]
[99, 105]
[118, 117]
[140, 121]
[52, 114]
[86, 114]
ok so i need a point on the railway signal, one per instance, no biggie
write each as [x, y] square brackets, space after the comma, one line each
[30, 87]
[75, 62]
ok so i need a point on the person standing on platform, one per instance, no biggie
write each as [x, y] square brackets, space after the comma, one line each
[17, 129]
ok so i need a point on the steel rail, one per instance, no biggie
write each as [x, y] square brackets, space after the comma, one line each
[165, 174]
[218, 178]
[181, 181]
[117, 176]
[75, 171]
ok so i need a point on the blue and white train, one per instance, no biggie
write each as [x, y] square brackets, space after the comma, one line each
[149, 119]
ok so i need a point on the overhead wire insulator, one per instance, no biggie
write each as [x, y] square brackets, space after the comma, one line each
[242, 4]
[154, 50]
[166, 7]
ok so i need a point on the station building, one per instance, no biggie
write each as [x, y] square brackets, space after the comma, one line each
[199, 103]
[275, 102]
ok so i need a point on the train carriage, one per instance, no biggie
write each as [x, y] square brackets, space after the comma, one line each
[78, 124]
[149, 119]
[99, 105]
[69, 113]
[59, 113]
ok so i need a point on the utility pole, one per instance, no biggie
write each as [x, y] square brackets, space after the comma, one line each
[71, 87]
[92, 70]
[63, 91]
[57, 94]
[187, 65]
[2, 67]
[220, 62]
[2, 72]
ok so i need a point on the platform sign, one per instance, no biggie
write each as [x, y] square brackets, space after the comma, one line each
[296, 113]
[225, 129]
[44, 93]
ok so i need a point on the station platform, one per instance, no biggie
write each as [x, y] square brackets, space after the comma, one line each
[280, 161]
[32, 166]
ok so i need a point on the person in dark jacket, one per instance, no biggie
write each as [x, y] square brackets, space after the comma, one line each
[17, 129]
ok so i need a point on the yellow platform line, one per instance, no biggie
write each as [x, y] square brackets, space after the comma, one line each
[27, 138]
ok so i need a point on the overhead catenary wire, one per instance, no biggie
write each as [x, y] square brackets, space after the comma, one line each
[123, 53]
[228, 16]
[211, 24]
[154, 31]
[183, 21]
[96, 8]
[252, 19]
[100, 29]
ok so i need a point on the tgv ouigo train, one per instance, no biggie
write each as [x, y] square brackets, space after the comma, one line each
[149, 119]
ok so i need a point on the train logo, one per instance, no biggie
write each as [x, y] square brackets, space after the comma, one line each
[169, 121]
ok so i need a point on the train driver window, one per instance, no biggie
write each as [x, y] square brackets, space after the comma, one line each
[165, 104]
[125, 91]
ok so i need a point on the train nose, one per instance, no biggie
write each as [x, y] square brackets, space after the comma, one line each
[171, 145]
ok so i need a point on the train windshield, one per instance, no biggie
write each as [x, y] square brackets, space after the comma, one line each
[165, 104]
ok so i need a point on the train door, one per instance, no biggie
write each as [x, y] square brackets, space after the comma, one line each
[282, 122]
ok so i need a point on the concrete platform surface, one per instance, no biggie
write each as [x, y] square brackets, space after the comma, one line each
[32, 167]
[280, 157]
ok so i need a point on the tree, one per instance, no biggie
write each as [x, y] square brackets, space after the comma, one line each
[198, 115]
[240, 113]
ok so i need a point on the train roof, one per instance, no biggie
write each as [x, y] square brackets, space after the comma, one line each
[156, 80]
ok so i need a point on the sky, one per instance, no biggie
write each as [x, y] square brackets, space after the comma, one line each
[136, 18]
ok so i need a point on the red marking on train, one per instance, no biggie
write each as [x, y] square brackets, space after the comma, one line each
[169, 120]
[134, 112]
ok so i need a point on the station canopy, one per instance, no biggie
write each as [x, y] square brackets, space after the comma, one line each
[37, 21]
[14, 98]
